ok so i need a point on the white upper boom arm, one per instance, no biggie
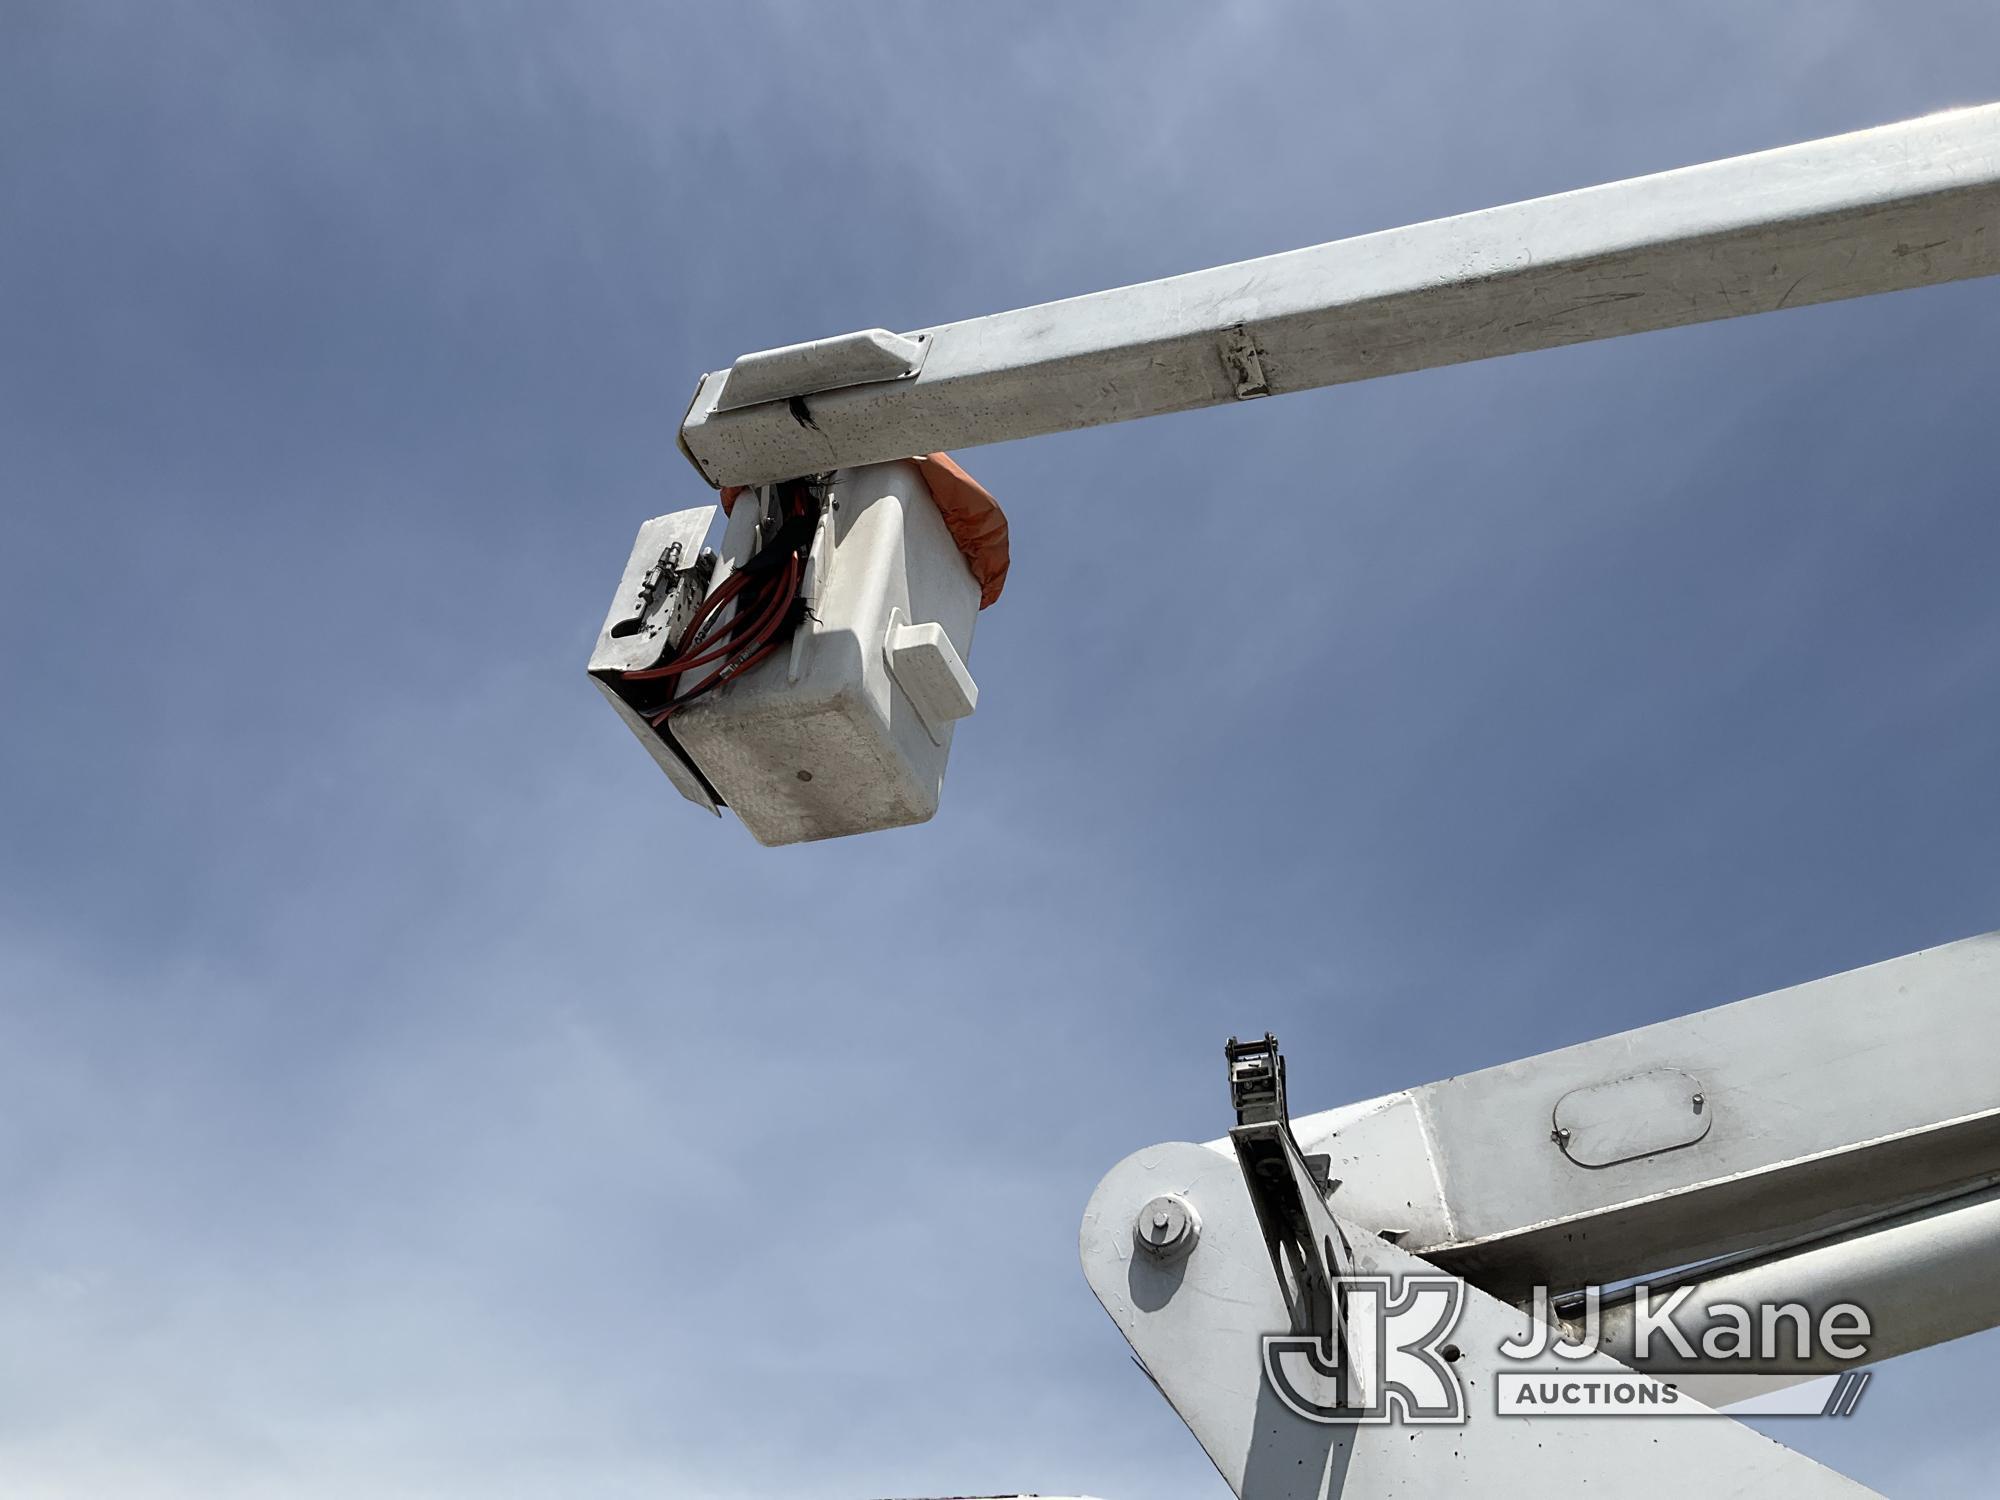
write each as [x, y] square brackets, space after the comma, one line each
[1901, 206]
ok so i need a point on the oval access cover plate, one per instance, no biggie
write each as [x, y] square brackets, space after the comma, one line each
[1643, 1115]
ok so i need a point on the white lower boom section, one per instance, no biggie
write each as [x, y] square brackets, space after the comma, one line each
[1922, 1278]
[1200, 1326]
[1905, 205]
[1772, 1121]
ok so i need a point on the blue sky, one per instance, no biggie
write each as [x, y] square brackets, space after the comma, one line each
[403, 1093]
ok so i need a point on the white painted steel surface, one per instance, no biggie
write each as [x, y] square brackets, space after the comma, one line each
[1905, 205]
[1197, 1325]
[1831, 1103]
[1924, 1278]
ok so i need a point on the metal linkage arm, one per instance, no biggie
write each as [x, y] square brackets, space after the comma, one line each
[1308, 1249]
[1904, 205]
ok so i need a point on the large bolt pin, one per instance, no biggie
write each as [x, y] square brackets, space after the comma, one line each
[1167, 1228]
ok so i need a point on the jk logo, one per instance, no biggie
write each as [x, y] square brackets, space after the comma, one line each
[1389, 1361]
